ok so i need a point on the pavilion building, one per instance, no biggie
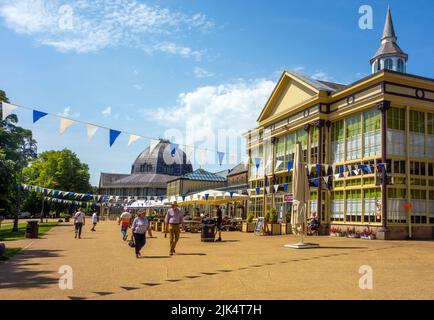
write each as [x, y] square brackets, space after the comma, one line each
[369, 147]
[149, 175]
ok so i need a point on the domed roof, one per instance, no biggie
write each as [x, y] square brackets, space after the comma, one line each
[161, 160]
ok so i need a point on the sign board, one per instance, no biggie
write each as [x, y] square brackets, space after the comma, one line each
[258, 227]
[288, 197]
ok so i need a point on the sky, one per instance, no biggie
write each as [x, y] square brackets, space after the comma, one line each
[188, 70]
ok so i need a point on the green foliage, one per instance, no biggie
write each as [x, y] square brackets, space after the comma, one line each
[17, 149]
[250, 218]
[61, 170]
[64, 215]
[7, 235]
[267, 216]
[288, 217]
[273, 216]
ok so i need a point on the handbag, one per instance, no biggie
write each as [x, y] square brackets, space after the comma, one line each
[131, 243]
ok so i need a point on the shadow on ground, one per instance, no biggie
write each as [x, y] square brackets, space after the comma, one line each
[13, 273]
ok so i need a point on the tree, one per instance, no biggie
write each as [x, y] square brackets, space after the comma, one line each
[17, 148]
[59, 170]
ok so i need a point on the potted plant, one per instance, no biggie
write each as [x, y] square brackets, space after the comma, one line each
[65, 216]
[286, 224]
[274, 226]
[351, 232]
[249, 225]
[368, 234]
[333, 232]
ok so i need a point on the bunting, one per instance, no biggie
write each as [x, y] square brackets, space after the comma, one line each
[38, 115]
[65, 123]
[133, 138]
[7, 110]
[220, 157]
[114, 134]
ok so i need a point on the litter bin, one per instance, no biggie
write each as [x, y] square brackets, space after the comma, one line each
[32, 230]
[208, 230]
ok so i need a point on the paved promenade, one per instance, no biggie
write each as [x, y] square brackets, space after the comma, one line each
[244, 266]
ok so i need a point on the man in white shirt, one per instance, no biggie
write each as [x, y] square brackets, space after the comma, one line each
[94, 221]
[79, 222]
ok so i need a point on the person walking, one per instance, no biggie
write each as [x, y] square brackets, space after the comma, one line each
[94, 221]
[79, 222]
[173, 220]
[139, 227]
[125, 222]
[219, 224]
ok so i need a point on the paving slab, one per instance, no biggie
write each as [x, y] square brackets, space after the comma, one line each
[244, 266]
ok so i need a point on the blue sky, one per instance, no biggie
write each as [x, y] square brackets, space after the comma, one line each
[148, 67]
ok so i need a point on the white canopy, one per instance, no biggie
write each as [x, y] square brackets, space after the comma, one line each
[148, 204]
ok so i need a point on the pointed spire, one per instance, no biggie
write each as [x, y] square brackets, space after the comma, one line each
[389, 30]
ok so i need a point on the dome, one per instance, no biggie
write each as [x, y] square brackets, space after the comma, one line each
[162, 161]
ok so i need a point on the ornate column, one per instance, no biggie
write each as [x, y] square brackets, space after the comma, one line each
[320, 125]
[383, 233]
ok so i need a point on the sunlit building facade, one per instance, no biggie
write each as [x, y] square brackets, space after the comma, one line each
[369, 148]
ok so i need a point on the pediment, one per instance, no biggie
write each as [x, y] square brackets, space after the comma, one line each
[290, 91]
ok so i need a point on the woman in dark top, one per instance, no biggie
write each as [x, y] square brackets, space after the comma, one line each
[219, 223]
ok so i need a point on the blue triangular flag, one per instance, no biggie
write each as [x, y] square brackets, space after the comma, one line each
[173, 148]
[206, 196]
[231, 194]
[38, 115]
[315, 182]
[183, 198]
[221, 155]
[161, 199]
[258, 190]
[286, 187]
[318, 168]
[342, 168]
[257, 162]
[290, 165]
[114, 134]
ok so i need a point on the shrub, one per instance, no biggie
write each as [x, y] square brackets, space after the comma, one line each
[267, 216]
[288, 217]
[250, 218]
[64, 215]
[273, 216]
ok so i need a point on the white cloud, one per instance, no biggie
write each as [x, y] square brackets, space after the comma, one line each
[174, 49]
[67, 113]
[138, 87]
[107, 112]
[91, 25]
[321, 75]
[218, 107]
[202, 73]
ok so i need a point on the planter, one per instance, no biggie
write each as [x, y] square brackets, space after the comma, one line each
[275, 229]
[248, 227]
[286, 228]
[159, 226]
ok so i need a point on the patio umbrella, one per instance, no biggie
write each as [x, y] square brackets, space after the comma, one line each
[300, 191]
[301, 194]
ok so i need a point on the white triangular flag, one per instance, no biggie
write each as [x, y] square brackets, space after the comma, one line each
[65, 123]
[153, 144]
[203, 156]
[249, 192]
[326, 167]
[356, 172]
[91, 130]
[276, 188]
[346, 174]
[188, 152]
[309, 168]
[350, 167]
[278, 164]
[7, 110]
[267, 190]
[337, 176]
[334, 168]
[326, 179]
[133, 138]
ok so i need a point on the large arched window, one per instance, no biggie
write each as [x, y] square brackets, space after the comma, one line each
[378, 65]
[388, 64]
[400, 65]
